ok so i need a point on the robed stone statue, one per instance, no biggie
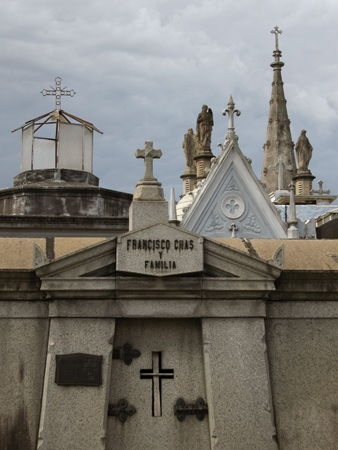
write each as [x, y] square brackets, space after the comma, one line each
[189, 146]
[303, 151]
[204, 125]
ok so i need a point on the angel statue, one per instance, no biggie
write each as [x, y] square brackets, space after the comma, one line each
[204, 125]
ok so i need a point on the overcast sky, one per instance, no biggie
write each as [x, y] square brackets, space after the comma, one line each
[142, 69]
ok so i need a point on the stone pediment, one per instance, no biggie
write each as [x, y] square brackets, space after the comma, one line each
[121, 268]
[232, 202]
[159, 250]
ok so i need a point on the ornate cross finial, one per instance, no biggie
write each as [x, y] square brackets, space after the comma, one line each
[277, 53]
[58, 91]
[149, 154]
[231, 111]
[320, 191]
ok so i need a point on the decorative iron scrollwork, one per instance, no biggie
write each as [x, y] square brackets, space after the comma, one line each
[127, 353]
[199, 409]
[122, 410]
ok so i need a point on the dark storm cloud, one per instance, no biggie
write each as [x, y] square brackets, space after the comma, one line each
[143, 69]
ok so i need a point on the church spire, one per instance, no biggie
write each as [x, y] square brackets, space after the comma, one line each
[278, 147]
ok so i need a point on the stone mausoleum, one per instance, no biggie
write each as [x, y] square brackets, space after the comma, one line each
[127, 326]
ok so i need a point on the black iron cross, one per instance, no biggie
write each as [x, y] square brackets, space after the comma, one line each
[157, 374]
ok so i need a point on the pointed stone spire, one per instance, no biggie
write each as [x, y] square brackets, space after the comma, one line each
[293, 232]
[278, 143]
[172, 208]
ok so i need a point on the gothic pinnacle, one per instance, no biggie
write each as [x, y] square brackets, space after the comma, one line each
[278, 147]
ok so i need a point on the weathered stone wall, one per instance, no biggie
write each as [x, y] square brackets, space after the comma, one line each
[63, 199]
[22, 366]
[304, 365]
[302, 357]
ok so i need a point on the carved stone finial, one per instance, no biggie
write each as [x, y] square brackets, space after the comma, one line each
[231, 111]
[233, 228]
[320, 190]
[276, 53]
[148, 154]
[293, 232]
[172, 208]
[303, 152]
[148, 205]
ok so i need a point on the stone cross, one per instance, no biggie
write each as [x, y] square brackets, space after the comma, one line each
[277, 53]
[320, 190]
[58, 91]
[279, 166]
[148, 153]
[233, 228]
[231, 111]
[157, 374]
[276, 31]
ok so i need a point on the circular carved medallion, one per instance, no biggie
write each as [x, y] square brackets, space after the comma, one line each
[233, 206]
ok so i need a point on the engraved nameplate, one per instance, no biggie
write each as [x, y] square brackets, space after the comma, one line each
[159, 250]
[78, 369]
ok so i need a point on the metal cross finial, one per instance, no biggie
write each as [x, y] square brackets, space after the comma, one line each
[276, 53]
[148, 153]
[231, 111]
[58, 91]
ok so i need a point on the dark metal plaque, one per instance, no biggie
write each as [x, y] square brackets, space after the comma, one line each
[78, 369]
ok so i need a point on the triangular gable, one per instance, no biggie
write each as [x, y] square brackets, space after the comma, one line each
[95, 260]
[232, 202]
[103, 270]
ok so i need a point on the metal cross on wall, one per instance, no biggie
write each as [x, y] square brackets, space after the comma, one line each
[58, 91]
[157, 374]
